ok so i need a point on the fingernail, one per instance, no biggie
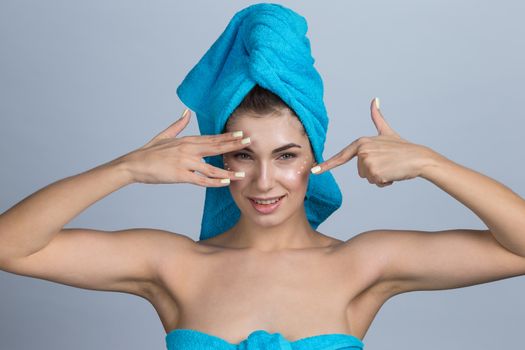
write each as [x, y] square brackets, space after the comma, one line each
[237, 134]
[315, 169]
[377, 102]
[225, 181]
[239, 174]
[245, 141]
[184, 113]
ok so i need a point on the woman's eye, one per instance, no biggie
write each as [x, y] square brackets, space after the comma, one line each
[291, 155]
[284, 156]
[241, 155]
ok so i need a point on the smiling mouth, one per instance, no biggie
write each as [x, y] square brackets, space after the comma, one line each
[266, 201]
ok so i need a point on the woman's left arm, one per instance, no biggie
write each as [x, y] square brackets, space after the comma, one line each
[412, 260]
[387, 157]
[502, 210]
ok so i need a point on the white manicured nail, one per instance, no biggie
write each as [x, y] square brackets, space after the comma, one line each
[239, 174]
[225, 181]
[315, 169]
[245, 141]
[237, 134]
[184, 113]
[377, 102]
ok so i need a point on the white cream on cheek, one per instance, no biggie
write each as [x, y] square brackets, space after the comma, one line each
[290, 168]
[288, 175]
[294, 173]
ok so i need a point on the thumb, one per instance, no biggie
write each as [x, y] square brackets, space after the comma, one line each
[379, 121]
[175, 128]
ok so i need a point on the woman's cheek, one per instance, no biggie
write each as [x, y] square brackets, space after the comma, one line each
[290, 175]
[296, 173]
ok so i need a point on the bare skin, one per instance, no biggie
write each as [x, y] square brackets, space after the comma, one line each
[271, 272]
[230, 292]
[267, 272]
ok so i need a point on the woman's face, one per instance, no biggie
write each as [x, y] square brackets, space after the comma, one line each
[272, 170]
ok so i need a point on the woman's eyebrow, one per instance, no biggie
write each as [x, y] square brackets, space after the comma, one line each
[277, 150]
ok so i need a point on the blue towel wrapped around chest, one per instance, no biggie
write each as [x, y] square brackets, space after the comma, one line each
[260, 339]
[263, 44]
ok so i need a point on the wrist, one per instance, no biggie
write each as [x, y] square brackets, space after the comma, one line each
[433, 161]
[122, 166]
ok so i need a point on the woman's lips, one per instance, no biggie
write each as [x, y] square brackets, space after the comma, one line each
[266, 208]
[265, 199]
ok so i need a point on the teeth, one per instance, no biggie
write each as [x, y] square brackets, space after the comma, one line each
[267, 202]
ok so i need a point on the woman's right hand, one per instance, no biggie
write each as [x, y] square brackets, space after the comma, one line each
[167, 159]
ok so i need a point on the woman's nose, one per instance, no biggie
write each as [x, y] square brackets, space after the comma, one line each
[264, 175]
[262, 172]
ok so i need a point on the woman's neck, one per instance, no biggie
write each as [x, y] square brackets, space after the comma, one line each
[292, 234]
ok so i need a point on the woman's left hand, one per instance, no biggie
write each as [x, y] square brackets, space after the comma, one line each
[382, 159]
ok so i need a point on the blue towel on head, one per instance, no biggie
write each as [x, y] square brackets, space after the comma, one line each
[264, 44]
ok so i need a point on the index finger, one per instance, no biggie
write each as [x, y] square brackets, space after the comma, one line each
[342, 157]
[233, 135]
[225, 147]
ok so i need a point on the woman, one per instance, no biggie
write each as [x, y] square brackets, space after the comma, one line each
[271, 279]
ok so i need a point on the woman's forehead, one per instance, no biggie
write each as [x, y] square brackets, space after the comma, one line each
[283, 123]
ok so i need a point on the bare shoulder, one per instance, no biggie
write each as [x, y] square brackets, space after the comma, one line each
[369, 252]
[167, 240]
[167, 248]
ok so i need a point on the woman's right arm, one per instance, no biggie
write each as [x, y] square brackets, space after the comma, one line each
[32, 223]
[33, 242]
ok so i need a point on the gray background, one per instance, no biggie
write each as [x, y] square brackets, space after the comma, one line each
[82, 83]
